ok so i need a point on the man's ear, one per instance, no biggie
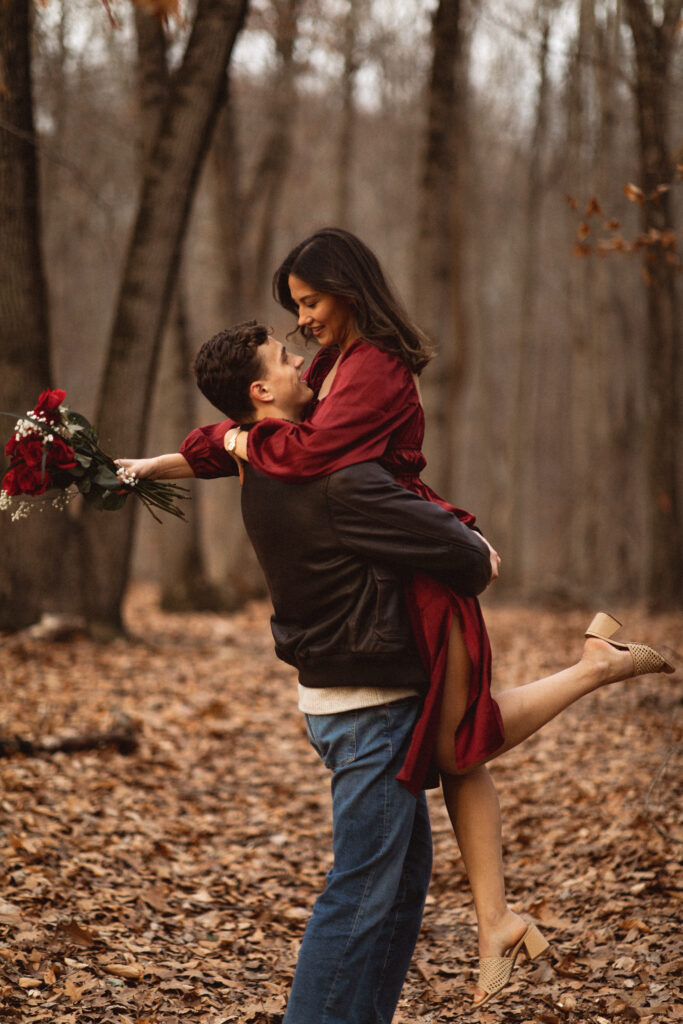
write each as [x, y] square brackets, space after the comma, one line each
[260, 392]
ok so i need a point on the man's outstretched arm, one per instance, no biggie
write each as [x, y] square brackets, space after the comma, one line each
[379, 519]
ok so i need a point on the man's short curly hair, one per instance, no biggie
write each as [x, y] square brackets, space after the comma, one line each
[227, 364]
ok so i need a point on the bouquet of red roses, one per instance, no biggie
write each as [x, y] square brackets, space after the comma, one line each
[53, 447]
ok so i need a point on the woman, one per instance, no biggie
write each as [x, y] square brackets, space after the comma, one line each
[367, 406]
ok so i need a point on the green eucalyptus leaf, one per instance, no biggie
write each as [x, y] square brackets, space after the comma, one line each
[80, 427]
[78, 422]
[107, 478]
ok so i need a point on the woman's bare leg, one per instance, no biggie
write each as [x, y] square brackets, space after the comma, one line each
[526, 709]
[471, 798]
[472, 803]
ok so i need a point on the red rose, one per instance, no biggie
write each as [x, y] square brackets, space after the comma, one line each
[11, 446]
[31, 450]
[60, 455]
[23, 479]
[48, 404]
[9, 483]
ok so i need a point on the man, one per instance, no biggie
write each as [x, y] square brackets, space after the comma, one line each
[335, 552]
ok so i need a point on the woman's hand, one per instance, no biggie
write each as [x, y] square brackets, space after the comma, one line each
[162, 467]
[495, 560]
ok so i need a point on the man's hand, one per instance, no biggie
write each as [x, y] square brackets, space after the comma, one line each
[162, 467]
[495, 560]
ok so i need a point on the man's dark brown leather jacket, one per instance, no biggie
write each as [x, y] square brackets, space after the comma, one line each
[336, 552]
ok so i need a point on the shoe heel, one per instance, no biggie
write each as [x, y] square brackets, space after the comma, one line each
[534, 943]
[603, 625]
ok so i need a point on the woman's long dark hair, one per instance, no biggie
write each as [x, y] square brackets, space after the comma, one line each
[336, 262]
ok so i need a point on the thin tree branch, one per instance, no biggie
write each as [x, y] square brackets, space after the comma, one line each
[48, 153]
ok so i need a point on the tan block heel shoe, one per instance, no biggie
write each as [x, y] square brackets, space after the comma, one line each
[495, 971]
[645, 659]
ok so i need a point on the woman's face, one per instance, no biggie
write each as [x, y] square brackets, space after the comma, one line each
[328, 317]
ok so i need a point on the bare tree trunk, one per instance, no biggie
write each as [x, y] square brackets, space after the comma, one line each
[261, 202]
[580, 498]
[439, 301]
[152, 77]
[182, 565]
[348, 113]
[520, 460]
[30, 568]
[654, 44]
[149, 278]
[224, 178]
[615, 447]
[23, 296]
[184, 582]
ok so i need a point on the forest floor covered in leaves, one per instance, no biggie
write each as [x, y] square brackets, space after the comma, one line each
[173, 884]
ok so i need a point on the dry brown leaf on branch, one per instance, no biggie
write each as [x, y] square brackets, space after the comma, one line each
[164, 10]
[634, 194]
[658, 192]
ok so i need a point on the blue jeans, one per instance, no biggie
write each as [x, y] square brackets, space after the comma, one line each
[361, 935]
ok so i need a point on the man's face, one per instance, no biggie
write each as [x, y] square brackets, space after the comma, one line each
[282, 377]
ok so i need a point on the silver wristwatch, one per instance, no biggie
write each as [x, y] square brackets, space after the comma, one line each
[233, 441]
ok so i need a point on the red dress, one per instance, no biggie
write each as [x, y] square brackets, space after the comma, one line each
[373, 411]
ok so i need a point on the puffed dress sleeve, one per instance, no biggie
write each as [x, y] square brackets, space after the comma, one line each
[203, 447]
[371, 397]
[204, 450]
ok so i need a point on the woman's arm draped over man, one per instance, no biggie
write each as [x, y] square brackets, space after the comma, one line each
[372, 397]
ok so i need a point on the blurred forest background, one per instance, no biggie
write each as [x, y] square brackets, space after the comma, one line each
[518, 169]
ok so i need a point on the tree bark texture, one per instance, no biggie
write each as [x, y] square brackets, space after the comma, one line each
[261, 203]
[348, 114]
[581, 494]
[27, 548]
[223, 176]
[149, 276]
[152, 77]
[439, 301]
[654, 43]
[520, 458]
[616, 423]
[183, 580]
[23, 298]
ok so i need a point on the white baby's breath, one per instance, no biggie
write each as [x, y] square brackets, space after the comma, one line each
[129, 479]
